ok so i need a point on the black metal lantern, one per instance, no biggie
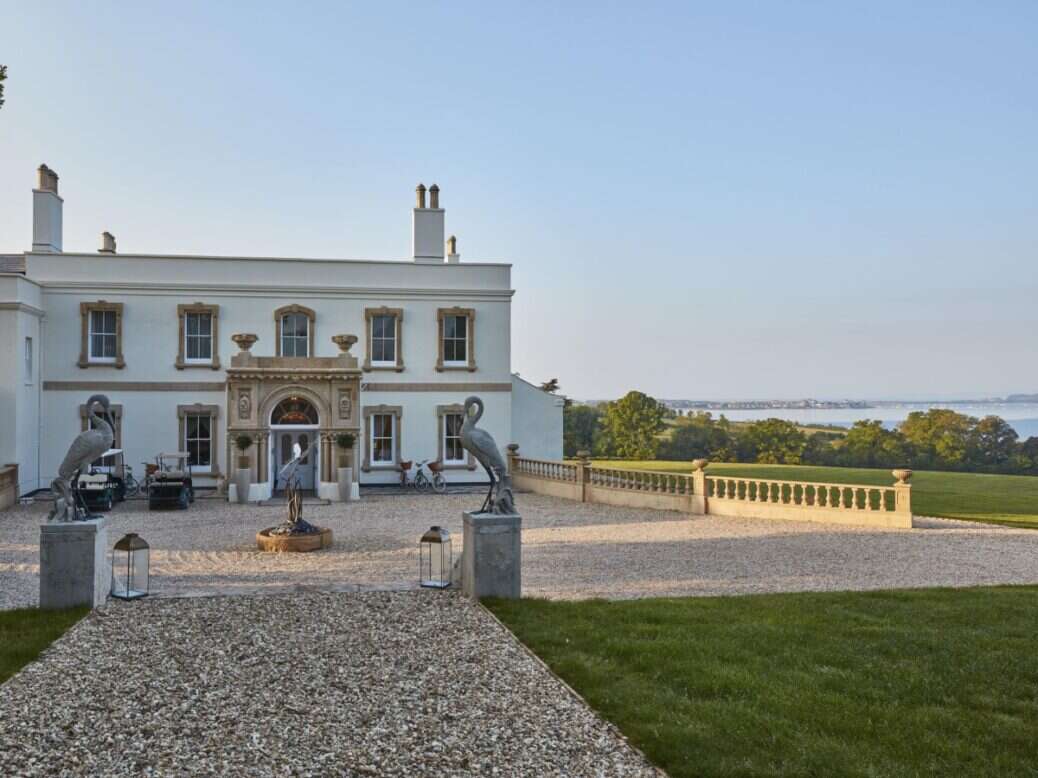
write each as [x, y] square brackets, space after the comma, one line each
[130, 567]
[435, 558]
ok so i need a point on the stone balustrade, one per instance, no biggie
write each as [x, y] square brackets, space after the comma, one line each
[8, 485]
[699, 493]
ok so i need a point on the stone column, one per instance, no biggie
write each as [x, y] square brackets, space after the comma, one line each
[492, 556]
[903, 491]
[74, 564]
[584, 475]
[697, 500]
[513, 454]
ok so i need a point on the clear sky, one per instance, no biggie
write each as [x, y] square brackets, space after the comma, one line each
[715, 200]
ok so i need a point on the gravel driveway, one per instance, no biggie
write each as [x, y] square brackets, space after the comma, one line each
[377, 684]
[570, 550]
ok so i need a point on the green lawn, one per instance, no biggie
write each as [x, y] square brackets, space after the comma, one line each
[25, 632]
[896, 683]
[1000, 499]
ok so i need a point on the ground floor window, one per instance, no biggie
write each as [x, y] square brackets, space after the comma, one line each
[383, 439]
[453, 452]
[198, 439]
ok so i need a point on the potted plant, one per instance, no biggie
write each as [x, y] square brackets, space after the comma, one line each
[344, 442]
[243, 475]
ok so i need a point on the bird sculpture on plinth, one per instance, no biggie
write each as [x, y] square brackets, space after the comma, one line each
[483, 447]
[295, 524]
[89, 445]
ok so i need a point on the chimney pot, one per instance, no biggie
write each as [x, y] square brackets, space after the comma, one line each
[453, 257]
[434, 196]
[420, 189]
[48, 179]
[107, 243]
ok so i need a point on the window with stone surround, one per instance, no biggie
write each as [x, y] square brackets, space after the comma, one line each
[294, 331]
[101, 336]
[383, 328]
[198, 333]
[382, 437]
[456, 333]
[198, 430]
[451, 453]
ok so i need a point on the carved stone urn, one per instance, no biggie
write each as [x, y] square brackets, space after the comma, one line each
[903, 476]
[344, 342]
[244, 340]
[700, 464]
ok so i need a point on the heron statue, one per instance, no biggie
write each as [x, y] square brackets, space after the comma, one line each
[482, 446]
[88, 446]
[295, 524]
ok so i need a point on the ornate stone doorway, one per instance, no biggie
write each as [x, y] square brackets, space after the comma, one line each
[281, 401]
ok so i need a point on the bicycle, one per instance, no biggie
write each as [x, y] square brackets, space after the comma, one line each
[428, 475]
[131, 486]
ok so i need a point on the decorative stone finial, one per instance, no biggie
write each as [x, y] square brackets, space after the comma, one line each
[700, 464]
[244, 340]
[344, 342]
[903, 475]
[434, 196]
[513, 449]
[420, 191]
[583, 455]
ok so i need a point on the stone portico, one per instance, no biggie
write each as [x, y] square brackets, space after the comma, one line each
[330, 385]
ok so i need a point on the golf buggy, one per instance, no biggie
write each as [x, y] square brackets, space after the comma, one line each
[171, 485]
[98, 489]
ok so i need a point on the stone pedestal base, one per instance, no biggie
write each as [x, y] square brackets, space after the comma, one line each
[492, 556]
[74, 564]
[294, 543]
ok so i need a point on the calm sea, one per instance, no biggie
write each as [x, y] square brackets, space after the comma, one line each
[1022, 416]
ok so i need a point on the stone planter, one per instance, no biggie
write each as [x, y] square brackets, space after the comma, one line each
[242, 478]
[294, 543]
[345, 483]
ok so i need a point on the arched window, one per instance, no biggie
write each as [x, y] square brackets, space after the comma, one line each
[293, 410]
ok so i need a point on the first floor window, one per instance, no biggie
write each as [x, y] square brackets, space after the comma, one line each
[102, 336]
[455, 339]
[295, 335]
[383, 340]
[453, 452]
[198, 337]
[198, 439]
[383, 438]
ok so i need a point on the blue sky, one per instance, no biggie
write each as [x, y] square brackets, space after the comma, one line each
[709, 200]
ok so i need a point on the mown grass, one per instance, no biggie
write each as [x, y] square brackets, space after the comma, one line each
[898, 683]
[25, 632]
[999, 499]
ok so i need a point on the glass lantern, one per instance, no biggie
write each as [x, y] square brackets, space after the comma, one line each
[435, 558]
[130, 567]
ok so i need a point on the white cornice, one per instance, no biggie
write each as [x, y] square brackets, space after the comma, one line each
[245, 290]
[23, 307]
[454, 268]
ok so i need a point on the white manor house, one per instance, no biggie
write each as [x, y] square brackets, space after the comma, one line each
[196, 351]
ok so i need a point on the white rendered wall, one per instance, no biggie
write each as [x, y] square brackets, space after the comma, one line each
[536, 421]
[19, 391]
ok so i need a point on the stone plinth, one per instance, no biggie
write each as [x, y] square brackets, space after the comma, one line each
[74, 564]
[492, 557]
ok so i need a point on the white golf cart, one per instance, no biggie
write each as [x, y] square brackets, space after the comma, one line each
[171, 485]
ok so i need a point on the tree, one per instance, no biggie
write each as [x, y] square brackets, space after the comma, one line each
[3, 77]
[870, 444]
[698, 436]
[773, 442]
[992, 443]
[580, 427]
[632, 424]
[939, 437]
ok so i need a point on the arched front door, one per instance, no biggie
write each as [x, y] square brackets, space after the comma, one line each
[294, 421]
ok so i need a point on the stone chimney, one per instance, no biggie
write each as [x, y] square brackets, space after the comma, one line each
[107, 243]
[453, 257]
[427, 227]
[46, 213]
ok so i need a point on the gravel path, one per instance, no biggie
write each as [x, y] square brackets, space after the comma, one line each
[376, 684]
[570, 550]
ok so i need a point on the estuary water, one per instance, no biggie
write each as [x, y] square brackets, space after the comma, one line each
[1023, 417]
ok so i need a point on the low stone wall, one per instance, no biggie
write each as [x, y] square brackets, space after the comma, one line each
[8, 485]
[699, 493]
